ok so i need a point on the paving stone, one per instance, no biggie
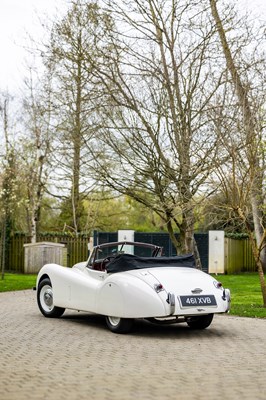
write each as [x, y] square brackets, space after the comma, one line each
[77, 357]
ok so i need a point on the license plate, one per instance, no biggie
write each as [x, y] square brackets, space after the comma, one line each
[195, 301]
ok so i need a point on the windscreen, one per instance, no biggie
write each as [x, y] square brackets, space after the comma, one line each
[123, 249]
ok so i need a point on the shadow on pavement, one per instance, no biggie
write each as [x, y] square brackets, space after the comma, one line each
[144, 328]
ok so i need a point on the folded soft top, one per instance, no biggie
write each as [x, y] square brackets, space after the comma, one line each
[127, 262]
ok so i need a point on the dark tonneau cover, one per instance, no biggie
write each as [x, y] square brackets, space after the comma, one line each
[127, 262]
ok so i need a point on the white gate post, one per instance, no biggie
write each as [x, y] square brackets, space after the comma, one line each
[127, 235]
[216, 252]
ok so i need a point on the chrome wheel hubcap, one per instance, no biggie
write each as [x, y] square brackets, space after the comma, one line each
[114, 320]
[46, 298]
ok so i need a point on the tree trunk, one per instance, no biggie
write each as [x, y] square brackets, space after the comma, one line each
[251, 139]
[77, 143]
[33, 232]
[257, 256]
[185, 240]
[173, 238]
[3, 249]
[258, 228]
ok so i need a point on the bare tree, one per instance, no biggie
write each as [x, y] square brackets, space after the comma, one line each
[35, 146]
[157, 142]
[80, 32]
[247, 189]
[8, 181]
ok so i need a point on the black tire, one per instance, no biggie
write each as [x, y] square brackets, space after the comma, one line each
[45, 300]
[119, 325]
[200, 322]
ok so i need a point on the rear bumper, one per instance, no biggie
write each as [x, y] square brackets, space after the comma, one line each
[176, 308]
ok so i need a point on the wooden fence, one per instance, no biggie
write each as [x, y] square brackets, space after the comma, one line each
[238, 254]
[77, 249]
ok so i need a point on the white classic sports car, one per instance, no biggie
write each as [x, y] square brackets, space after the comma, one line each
[123, 286]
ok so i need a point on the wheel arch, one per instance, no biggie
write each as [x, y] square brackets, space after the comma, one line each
[42, 277]
[131, 298]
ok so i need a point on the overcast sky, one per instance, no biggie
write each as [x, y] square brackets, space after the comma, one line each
[19, 17]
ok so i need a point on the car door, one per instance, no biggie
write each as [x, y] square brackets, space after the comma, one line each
[83, 289]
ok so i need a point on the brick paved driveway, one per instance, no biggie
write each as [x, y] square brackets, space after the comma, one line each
[76, 357]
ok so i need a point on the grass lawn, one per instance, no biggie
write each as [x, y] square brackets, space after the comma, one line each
[246, 294]
[17, 282]
[245, 291]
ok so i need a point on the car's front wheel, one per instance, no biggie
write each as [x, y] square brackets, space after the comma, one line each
[200, 322]
[119, 325]
[45, 300]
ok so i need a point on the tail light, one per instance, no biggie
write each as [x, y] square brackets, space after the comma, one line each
[218, 285]
[158, 287]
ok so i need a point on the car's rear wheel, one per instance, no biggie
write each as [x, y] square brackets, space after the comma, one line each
[119, 325]
[200, 322]
[45, 300]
